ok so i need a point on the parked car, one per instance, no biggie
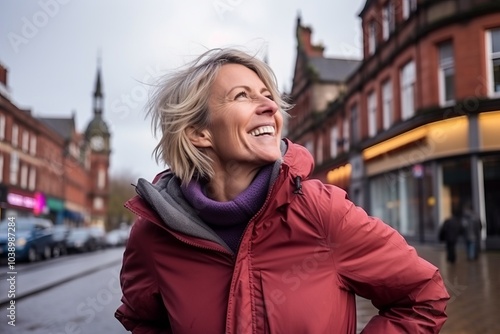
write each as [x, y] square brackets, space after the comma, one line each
[81, 240]
[32, 235]
[99, 235]
[60, 240]
[118, 237]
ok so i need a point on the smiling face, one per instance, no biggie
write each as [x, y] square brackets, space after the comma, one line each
[245, 124]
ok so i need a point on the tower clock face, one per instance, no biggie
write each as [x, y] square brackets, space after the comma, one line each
[97, 143]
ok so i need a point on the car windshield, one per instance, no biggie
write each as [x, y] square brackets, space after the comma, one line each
[20, 224]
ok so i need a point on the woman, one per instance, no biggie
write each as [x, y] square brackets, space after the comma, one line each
[235, 238]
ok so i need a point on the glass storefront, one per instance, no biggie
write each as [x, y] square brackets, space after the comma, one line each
[404, 199]
[456, 189]
[416, 201]
[491, 174]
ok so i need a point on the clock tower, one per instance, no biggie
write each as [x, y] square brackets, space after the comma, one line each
[97, 142]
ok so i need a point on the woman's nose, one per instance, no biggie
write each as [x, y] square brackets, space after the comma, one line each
[266, 105]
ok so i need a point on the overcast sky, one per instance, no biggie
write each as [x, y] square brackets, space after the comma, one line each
[50, 48]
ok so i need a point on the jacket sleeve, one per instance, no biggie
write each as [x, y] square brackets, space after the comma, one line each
[142, 310]
[374, 261]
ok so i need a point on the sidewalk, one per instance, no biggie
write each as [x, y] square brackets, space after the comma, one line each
[50, 274]
[474, 288]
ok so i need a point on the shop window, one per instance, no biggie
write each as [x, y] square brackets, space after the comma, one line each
[405, 201]
[491, 172]
[1, 168]
[446, 73]
[456, 188]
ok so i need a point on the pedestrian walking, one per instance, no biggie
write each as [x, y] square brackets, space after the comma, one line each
[235, 237]
[472, 232]
[449, 233]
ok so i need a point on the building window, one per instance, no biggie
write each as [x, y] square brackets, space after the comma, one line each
[98, 203]
[409, 6]
[494, 46]
[309, 145]
[319, 151]
[372, 37]
[408, 77]
[2, 127]
[388, 21]
[14, 167]
[334, 139]
[372, 114]
[32, 181]
[15, 135]
[33, 145]
[25, 143]
[24, 176]
[446, 74]
[101, 179]
[387, 104]
[345, 135]
[354, 124]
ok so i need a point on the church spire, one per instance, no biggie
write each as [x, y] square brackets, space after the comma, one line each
[98, 95]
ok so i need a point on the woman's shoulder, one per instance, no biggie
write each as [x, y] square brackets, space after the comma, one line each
[324, 200]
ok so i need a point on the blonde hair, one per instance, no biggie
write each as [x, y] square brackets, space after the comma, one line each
[180, 101]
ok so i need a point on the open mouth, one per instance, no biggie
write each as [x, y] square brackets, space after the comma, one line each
[263, 130]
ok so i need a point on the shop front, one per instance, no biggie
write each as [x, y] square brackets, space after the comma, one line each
[55, 210]
[3, 200]
[419, 179]
[23, 203]
[74, 214]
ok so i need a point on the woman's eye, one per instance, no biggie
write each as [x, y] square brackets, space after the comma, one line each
[270, 97]
[241, 94]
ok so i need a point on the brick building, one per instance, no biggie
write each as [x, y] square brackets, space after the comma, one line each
[46, 165]
[412, 139]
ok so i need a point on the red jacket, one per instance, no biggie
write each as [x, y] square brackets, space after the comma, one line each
[301, 261]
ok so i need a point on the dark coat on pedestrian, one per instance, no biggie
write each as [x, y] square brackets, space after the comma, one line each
[451, 230]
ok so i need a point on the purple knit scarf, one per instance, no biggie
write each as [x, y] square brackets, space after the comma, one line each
[229, 219]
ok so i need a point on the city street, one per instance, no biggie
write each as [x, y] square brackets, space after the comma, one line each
[78, 294]
[83, 302]
[474, 288]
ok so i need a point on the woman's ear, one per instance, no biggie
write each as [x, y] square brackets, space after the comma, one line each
[199, 138]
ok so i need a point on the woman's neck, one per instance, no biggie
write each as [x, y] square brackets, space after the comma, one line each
[227, 183]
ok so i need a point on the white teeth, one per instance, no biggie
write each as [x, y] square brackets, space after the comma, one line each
[267, 129]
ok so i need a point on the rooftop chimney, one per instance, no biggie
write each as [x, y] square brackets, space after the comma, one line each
[3, 75]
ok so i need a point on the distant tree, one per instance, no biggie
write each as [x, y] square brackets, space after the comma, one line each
[120, 190]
